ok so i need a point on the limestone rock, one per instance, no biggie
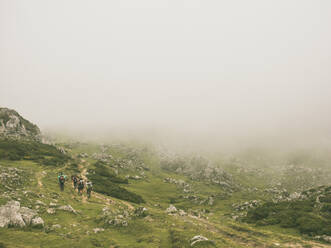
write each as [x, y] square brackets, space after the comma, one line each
[12, 214]
[67, 208]
[96, 230]
[197, 239]
[171, 209]
[141, 212]
[50, 211]
[37, 222]
[27, 214]
[56, 226]
[13, 125]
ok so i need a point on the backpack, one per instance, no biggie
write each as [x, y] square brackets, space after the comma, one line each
[81, 184]
[62, 179]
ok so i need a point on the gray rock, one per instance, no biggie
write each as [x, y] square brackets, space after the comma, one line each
[27, 214]
[141, 212]
[15, 126]
[96, 230]
[56, 226]
[50, 211]
[67, 208]
[10, 215]
[37, 222]
[52, 205]
[171, 209]
[197, 239]
[182, 212]
[38, 202]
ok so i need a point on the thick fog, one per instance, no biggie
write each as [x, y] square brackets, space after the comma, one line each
[212, 70]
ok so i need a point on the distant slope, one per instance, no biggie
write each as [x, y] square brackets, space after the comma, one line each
[309, 212]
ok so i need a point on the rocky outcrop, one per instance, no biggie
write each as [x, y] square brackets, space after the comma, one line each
[12, 214]
[12, 125]
[116, 217]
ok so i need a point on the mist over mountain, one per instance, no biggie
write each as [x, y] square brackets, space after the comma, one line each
[165, 123]
[206, 71]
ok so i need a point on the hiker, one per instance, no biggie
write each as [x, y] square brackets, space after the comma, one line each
[80, 186]
[62, 178]
[89, 188]
[75, 181]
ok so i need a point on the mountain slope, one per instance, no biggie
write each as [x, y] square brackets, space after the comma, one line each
[145, 198]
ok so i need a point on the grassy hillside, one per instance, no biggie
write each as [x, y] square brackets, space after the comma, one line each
[30, 150]
[128, 178]
[310, 214]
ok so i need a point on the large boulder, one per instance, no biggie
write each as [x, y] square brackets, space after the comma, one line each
[12, 214]
[27, 214]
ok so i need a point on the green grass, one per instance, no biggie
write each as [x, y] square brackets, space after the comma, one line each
[156, 230]
[106, 182]
[30, 150]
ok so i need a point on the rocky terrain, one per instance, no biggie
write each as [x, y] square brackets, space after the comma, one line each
[12, 125]
[144, 197]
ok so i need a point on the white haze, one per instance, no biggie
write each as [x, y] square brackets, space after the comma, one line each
[207, 71]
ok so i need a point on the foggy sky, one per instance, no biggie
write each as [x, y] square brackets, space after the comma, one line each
[212, 68]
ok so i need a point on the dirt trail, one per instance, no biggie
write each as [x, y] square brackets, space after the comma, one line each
[102, 197]
[40, 176]
[83, 175]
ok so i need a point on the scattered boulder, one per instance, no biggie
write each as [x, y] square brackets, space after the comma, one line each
[324, 238]
[37, 222]
[116, 217]
[96, 230]
[197, 239]
[141, 212]
[171, 209]
[83, 155]
[38, 202]
[52, 205]
[56, 226]
[182, 212]
[67, 208]
[50, 211]
[12, 214]
[27, 214]
[136, 177]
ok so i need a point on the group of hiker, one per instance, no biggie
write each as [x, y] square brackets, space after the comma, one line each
[78, 183]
